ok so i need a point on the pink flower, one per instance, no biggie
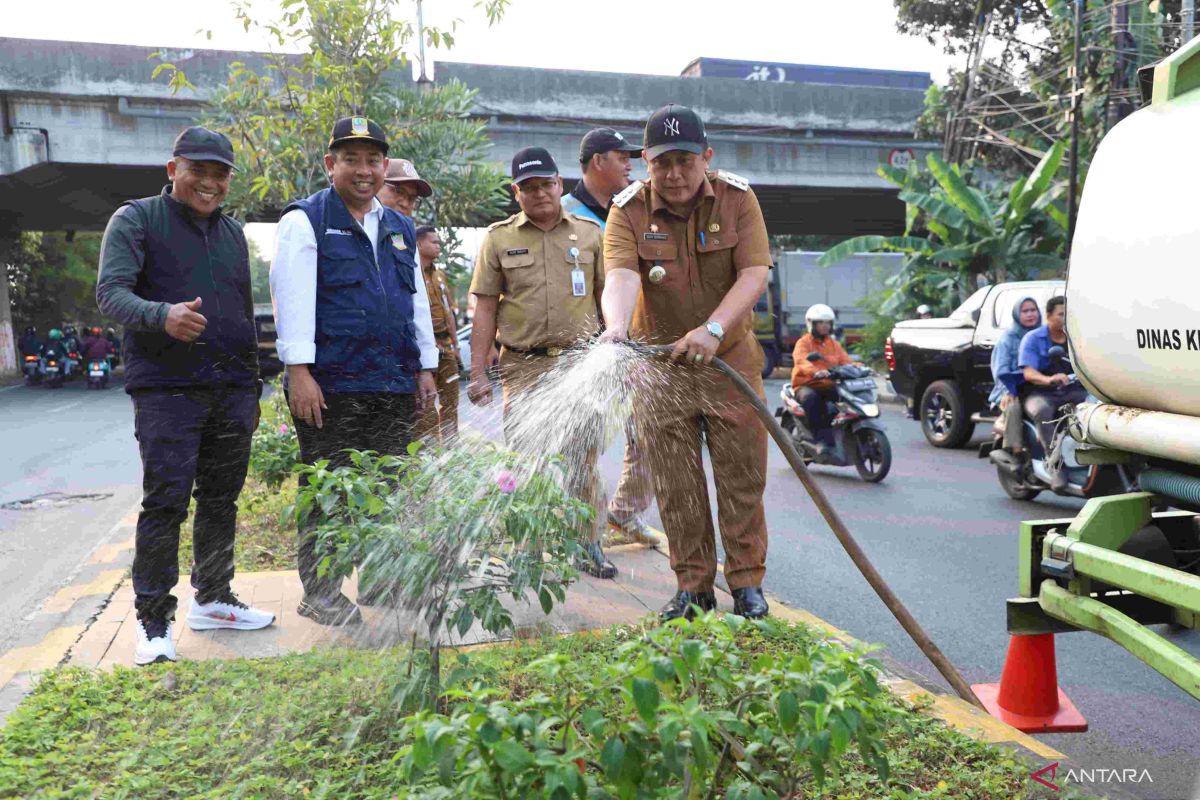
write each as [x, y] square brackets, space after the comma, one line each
[506, 481]
[283, 428]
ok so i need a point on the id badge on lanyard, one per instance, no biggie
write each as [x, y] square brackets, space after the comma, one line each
[578, 281]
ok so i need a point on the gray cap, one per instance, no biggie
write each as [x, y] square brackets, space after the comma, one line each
[201, 144]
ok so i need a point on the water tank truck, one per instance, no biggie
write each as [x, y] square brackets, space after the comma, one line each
[1133, 321]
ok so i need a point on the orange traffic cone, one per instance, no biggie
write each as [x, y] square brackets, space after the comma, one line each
[1028, 697]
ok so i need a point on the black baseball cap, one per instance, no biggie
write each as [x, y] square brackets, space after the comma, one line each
[357, 129]
[201, 144]
[604, 140]
[533, 162]
[674, 127]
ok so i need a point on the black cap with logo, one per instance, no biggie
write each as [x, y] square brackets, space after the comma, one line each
[533, 162]
[674, 127]
[357, 129]
[604, 140]
[201, 144]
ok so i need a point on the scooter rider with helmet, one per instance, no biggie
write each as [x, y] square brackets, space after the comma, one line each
[924, 312]
[55, 348]
[811, 381]
[30, 344]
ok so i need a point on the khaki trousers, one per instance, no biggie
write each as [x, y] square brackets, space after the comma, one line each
[634, 491]
[441, 423]
[701, 403]
[519, 373]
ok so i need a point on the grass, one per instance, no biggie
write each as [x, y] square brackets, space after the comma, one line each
[262, 542]
[327, 724]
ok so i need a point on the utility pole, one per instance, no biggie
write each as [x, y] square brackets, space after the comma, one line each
[8, 339]
[955, 125]
[423, 80]
[9, 365]
[1189, 20]
[1076, 104]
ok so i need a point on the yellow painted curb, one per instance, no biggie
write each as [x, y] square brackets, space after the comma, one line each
[106, 554]
[43, 655]
[64, 598]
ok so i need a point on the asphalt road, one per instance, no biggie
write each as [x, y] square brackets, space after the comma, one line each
[939, 529]
[71, 452]
[944, 536]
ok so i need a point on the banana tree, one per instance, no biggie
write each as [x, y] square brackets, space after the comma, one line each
[956, 233]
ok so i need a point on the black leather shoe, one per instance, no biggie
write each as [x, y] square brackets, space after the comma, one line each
[336, 610]
[681, 605]
[750, 603]
[593, 561]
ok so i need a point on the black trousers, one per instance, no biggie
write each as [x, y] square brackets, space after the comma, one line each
[382, 422]
[813, 401]
[189, 438]
[1041, 406]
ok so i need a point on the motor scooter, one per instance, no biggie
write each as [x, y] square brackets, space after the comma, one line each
[53, 368]
[859, 438]
[1025, 476]
[31, 366]
[97, 374]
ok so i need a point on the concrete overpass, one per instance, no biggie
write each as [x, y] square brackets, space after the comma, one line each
[84, 127]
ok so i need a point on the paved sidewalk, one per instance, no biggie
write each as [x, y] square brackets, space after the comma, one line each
[645, 583]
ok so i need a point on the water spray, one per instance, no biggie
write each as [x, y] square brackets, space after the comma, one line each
[848, 542]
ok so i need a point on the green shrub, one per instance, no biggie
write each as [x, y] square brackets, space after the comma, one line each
[679, 709]
[447, 532]
[274, 450]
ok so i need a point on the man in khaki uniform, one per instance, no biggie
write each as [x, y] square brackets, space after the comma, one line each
[440, 422]
[537, 285]
[686, 257]
[403, 189]
[604, 160]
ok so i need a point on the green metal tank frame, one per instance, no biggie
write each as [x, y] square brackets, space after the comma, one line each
[1072, 576]
[1062, 561]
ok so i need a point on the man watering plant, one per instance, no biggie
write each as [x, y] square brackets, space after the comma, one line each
[686, 257]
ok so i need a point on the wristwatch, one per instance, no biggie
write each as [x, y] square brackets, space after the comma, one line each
[714, 327]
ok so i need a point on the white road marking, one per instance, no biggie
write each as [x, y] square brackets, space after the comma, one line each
[64, 407]
[14, 386]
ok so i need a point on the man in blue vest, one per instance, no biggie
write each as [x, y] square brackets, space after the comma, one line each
[175, 271]
[605, 159]
[353, 330]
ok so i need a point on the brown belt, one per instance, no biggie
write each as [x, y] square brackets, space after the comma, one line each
[553, 352]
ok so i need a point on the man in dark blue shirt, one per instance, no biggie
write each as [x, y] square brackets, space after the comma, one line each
[175, 272]
[1048, 385]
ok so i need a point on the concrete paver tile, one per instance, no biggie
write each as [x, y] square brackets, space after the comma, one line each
[94, 644]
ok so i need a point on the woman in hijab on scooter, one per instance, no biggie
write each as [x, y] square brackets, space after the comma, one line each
[1008, 375]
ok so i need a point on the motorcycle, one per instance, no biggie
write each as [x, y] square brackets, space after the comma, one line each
[859, 438]
[73, 363]
[53, 368]
[97, 375]
[1025, 477]
[32, 368]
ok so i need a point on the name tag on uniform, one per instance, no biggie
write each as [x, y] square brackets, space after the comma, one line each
[337, 232]
[578, 283]
[656, 237]
[519, 251]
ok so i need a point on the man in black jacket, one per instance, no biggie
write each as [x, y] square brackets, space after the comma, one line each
[175, 272]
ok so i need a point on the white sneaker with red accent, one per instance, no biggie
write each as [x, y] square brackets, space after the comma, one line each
[227, 612]
[154, 642]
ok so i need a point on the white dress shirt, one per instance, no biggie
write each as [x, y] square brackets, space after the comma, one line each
[294, 290]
